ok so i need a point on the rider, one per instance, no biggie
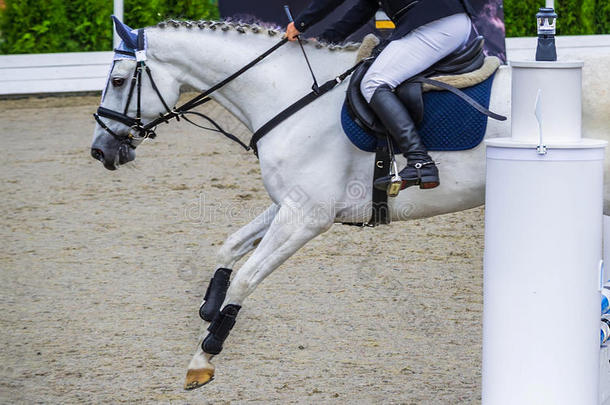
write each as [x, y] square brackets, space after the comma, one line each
[426, 31]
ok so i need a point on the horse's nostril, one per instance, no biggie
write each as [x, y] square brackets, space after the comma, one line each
[97, 154]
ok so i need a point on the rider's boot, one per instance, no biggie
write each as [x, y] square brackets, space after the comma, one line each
[421, 169]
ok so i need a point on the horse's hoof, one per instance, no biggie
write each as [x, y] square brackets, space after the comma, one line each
[197, 378]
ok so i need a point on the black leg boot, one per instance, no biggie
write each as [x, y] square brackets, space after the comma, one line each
[420, 169]
[215, 294]
[219, 329]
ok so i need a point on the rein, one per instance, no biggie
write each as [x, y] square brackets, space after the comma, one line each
[148, 130]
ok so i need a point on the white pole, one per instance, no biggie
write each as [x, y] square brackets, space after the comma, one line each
[118, 12]
[607, 246]
[550, 3]
[543, 234]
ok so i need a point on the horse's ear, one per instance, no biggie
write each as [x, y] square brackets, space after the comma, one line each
[129, 38]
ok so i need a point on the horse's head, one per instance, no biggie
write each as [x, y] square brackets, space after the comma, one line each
[138, 89]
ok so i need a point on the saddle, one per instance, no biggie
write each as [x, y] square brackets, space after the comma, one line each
[463, 68]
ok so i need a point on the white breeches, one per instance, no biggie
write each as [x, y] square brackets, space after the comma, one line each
[418, 50]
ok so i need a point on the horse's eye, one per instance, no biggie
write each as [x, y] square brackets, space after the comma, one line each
[117, 81]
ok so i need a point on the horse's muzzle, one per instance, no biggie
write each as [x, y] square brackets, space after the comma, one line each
[111, 153]
[97, 154]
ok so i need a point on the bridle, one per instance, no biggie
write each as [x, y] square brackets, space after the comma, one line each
[144, 131]
[138, 131]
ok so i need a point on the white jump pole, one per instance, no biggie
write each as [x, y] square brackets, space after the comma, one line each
[543, 245]
[606, 242]
[118, 11]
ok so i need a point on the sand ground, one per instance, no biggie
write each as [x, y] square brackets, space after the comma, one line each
[102, 274]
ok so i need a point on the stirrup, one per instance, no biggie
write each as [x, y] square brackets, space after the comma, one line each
[395, 184]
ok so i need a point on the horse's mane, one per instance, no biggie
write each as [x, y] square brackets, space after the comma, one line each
[257, 28]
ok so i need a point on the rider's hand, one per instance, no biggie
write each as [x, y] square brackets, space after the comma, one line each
[291, 32]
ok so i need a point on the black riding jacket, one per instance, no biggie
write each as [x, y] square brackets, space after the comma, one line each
[406, 14]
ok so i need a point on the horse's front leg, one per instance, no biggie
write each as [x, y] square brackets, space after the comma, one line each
[233, 249]
[289, 231]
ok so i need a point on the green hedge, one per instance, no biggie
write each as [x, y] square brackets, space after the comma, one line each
[574, 17]
[38, 26]
[35, 26]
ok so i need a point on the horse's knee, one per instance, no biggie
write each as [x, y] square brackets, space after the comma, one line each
[224, 255]
[227, 251]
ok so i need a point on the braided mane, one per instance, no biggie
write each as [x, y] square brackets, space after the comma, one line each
[255, 28]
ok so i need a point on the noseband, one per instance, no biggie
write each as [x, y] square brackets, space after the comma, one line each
[144, 131]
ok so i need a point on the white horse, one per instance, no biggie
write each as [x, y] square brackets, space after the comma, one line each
[314, 175]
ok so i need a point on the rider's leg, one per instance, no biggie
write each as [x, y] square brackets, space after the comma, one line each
[420, 169]
[400, 60]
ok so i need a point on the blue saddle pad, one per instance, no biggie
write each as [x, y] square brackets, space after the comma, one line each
[449, 123]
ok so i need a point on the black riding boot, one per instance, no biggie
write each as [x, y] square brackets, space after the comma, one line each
[420, 169]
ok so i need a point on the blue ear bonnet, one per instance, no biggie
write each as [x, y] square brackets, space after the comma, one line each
[129, 41]
[129, 37]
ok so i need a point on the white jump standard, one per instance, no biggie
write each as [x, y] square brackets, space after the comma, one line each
[543, 246]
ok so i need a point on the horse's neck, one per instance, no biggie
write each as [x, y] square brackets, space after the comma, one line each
[203, 58]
